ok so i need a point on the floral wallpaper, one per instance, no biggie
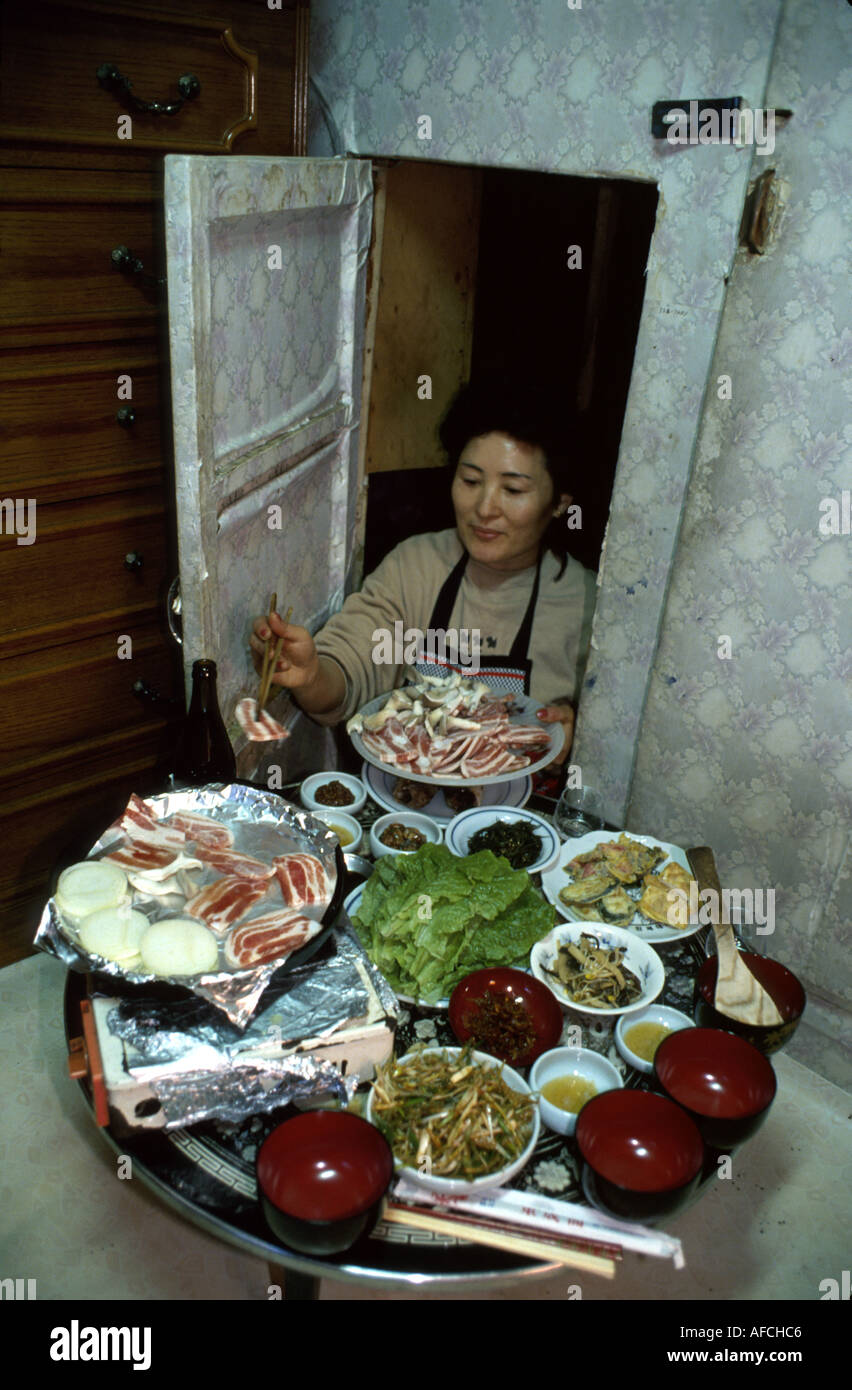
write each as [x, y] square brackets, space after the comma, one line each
[751, 751]
[714, 521]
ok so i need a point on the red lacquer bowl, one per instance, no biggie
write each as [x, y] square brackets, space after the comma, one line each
[322, 1178]
[722, 1081]
[644, 1153]
[786, 991]
[538, 1006]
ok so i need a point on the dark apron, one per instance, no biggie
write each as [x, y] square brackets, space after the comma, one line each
[507, 674]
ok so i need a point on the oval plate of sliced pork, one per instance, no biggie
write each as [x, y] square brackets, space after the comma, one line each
[454, 732]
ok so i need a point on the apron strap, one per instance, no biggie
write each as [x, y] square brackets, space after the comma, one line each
[521, 644]
[445, 602]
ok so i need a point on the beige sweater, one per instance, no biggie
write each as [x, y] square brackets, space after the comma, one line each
[404, 587]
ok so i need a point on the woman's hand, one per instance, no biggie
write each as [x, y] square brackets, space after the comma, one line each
[560, 713]
[317, 683]
[298, 664]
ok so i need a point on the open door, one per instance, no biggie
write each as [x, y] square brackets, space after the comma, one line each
[267, 266]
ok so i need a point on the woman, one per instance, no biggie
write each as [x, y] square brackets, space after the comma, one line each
[503, 573]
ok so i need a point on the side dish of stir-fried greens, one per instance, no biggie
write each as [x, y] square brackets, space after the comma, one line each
[450, 1116]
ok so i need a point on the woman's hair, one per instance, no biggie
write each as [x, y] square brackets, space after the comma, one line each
[526, 411]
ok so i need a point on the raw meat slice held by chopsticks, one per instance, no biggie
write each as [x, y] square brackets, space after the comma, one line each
[257, 724]
[251, 715]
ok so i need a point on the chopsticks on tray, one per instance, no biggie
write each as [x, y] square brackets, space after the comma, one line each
[271, 654]
[558, 1250]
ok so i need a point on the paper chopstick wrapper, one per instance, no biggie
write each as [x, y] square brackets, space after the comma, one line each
[560, 1250]
[547, 1214]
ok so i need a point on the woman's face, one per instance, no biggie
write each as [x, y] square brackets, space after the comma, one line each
[504, 499]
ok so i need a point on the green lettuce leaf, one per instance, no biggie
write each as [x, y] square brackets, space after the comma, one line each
[428, 919]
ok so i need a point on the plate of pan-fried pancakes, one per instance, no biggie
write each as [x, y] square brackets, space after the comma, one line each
[629, 881]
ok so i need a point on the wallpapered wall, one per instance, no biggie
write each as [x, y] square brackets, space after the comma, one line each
[749, 753]
[753, 753]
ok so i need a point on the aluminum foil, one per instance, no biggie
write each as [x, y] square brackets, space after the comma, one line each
[263, 826]
[199, 1066]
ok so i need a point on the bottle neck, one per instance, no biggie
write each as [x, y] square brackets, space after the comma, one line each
[203, 688]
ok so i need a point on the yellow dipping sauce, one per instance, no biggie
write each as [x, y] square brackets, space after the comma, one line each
[569, 1092]
[344, 836]
[645, 1038]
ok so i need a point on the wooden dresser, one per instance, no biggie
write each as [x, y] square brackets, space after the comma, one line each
[87, 535]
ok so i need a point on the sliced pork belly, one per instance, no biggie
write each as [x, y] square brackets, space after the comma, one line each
[202, 830]
[525, 736]
[274, 936]
[140, 825]
[304, 881]
[140, 856]
[258, 724]
[226, 901]
[230, 861]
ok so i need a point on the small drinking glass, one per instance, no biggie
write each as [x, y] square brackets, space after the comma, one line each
[580, 809]
[746, 931]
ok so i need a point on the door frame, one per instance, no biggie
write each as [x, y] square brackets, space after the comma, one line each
[648, 498]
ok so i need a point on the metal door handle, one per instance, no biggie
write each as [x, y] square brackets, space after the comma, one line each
[114, 81]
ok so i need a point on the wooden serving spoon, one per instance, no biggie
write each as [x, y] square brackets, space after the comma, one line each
[738, 994]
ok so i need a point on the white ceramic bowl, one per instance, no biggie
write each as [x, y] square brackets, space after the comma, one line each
[657, 1013]
[427, 827]
[352, 901]
[334, 818]
[639, 957]
[570, 1061]
[307, 792]
[458, 1187]
[466, 824]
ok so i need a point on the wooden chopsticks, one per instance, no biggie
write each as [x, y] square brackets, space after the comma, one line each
[516, 1241]
[270, 656]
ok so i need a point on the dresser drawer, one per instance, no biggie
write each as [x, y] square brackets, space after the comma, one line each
[73, 580]
[56, 256]
[60, 432]
[79, 694]
[247, 58]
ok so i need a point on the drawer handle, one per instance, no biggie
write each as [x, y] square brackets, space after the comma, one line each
[123, 259]
[133, 560]
[126, 417]
[150, 696]
[113, 81]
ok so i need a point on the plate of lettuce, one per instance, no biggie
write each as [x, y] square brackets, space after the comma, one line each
[430, 918]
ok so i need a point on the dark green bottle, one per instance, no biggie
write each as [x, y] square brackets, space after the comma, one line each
[204, 752]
